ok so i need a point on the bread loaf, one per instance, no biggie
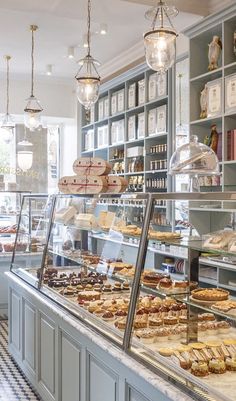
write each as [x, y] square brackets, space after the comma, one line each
[116, 184]
[63, 185]
[91, 166]
[89, 184]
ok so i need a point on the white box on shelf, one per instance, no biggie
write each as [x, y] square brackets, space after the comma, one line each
[131, 128]
[132, 96]
[214, 98]
[141, 125]
[134, 151]
[152, 87]
[152, 122]
[230, 93]
[121, 100]
[141, 92]
[102, 136]
[120, 131]
[105, 135]
[92, 114]
[161, 120]
[114, 128]
[89, 140]
[106, 107]
[101, 109]
[161, 85]
[114, 103]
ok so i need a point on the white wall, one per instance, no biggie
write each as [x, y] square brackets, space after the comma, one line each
[57, 98]
[68, 148]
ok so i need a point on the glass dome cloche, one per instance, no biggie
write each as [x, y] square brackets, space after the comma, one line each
[195, 159]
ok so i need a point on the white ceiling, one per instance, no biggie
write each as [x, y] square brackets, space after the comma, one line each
[62, 23]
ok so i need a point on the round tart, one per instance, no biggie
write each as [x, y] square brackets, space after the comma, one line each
[206, 317]
[166, 351]
[198, 345]
[210, 294]
[212, 344]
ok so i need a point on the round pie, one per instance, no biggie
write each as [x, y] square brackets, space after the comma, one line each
[210, 294]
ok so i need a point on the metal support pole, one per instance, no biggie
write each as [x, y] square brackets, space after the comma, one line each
[138, 271]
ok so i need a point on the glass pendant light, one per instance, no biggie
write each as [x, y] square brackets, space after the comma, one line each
[88, 79]
[25, 156]
[160, 41]
[7, 126]
[33, 108]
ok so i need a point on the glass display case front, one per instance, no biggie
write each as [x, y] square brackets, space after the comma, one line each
[30, 238]
[154, 276]
[91, 255]
[182, 315]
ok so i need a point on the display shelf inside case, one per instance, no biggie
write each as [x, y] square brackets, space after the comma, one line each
[27, 248]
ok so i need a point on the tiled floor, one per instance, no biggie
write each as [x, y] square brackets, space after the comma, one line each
[13, 385]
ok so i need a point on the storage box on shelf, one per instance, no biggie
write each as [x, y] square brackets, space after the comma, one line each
[220, 82]
[138, 115]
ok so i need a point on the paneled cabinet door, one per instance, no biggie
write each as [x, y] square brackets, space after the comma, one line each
[70, 369]
[102, 382]
[15, 330]
[29, 336]
[47, 355]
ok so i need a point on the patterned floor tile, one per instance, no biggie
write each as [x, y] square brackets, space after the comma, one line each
[13, 384]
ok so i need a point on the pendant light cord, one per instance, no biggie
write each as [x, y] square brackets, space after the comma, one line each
[88, 26]
[180, 99]
[161, 12]
[8, 100]
[32, 64]
[33, 28]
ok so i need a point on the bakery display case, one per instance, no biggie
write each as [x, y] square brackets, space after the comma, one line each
[10, 204]
[186, 327]
[30, 239]
[161, 288]
[90, 257]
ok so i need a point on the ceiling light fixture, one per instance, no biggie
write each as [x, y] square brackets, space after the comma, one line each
[25, 156]
[71, 52]
[7, 126]
[88, 79]
[33, 108]
[160, 41]
[49, 69]
[103, 29]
